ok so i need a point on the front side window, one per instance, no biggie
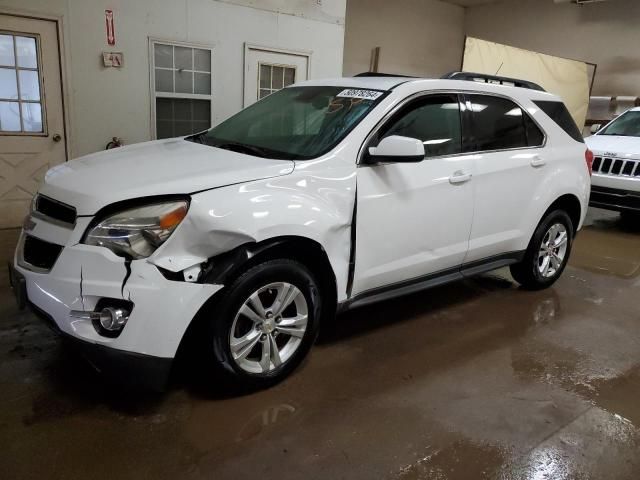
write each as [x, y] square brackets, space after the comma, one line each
[498, 124]
[294, 123]
[626, 125]
[434, 119]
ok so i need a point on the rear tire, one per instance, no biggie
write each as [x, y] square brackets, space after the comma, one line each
[263, 324]
[547, 254]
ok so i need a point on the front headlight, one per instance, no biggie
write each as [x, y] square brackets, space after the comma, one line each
[138, 232]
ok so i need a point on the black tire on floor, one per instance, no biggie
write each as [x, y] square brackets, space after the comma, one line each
[629, 216]
[526, 273]
[219, 318]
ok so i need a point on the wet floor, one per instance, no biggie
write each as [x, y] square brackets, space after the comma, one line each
[471, 380]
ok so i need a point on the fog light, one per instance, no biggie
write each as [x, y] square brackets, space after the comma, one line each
[108, 318]
[113, 319]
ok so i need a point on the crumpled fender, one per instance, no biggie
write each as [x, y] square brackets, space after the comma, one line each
[313, 202]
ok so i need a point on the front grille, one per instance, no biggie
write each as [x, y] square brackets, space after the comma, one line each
[39, 253]
[616, 166]
[56, 210]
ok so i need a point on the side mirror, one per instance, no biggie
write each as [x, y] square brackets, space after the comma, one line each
[595, 128]
[397, 149]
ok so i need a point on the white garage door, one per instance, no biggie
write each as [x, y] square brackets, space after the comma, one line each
[32, 136]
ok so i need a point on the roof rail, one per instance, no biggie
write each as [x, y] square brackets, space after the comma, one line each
[378, 74]
[485, 78]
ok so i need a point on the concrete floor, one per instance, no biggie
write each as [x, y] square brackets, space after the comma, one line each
[472, 380]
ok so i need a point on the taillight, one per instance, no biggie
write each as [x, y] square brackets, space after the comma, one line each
[588, 157]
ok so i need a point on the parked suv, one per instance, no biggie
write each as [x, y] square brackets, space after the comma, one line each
[616, 167]
[322, 197]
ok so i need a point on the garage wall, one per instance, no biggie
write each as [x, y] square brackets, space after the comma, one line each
[605, 33]
[417, 37]
[104, 103]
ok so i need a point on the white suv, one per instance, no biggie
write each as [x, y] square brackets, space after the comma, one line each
[322, 197]
[616, 167]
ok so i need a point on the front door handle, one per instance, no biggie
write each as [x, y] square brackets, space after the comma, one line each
[459, 177]
[538, 161]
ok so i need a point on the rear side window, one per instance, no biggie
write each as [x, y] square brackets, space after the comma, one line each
[559, 114]
[498, 124]
[535, 137]
[434, 119]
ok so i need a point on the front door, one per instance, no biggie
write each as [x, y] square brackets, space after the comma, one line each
[267, 71]
[32, 136]
[414, 219]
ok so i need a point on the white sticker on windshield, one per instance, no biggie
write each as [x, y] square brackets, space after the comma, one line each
[356, 93]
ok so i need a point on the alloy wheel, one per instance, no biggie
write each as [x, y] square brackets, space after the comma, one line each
[268, 328]
[553, 250]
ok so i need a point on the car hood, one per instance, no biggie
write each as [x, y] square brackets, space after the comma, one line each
[614, 146]
[163, 167]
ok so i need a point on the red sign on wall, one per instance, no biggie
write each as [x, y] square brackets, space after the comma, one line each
[111, 32]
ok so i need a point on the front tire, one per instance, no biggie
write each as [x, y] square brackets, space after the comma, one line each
[264, 324]
[547, 254]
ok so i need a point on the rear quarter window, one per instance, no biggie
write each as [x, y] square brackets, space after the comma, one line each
[558, 112]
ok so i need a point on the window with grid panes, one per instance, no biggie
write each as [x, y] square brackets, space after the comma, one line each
[272, 78]
[21, 109]
[182, 89]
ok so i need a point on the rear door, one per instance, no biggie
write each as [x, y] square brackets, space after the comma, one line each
[414, 219]
[509, 164]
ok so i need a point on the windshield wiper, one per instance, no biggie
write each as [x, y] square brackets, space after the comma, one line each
[243, 148]
[198, 138]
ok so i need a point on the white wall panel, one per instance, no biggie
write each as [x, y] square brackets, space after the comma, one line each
[416, 37]
[116, 102]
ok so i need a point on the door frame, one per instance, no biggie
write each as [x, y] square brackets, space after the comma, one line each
[262, 48]
[62, 60]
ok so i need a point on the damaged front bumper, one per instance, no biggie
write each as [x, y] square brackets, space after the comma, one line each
[81, 276]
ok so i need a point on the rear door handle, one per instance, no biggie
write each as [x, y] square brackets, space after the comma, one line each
[459, 177]
[538, 161]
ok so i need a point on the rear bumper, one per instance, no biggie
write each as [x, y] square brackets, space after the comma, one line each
[615, 199]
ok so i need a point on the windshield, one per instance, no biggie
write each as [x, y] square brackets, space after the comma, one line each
[293, 123]
[626, 125]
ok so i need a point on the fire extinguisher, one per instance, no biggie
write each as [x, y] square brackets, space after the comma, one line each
[114, 143]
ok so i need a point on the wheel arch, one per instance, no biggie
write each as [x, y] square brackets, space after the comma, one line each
[570, 204]
[224, 268]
